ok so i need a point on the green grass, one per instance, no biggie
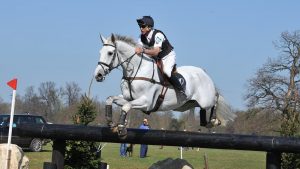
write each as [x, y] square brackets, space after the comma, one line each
[217, 159]
[36, 159]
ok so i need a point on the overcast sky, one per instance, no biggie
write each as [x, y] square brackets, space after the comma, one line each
[59, 40]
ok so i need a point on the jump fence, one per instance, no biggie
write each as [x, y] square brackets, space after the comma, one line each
[274, 146]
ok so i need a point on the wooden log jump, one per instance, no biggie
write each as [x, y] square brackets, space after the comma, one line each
[271, 144]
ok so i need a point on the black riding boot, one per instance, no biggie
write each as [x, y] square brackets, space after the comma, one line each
[178, 81]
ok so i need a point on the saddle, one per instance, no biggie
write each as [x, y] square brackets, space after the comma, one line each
[165, 81]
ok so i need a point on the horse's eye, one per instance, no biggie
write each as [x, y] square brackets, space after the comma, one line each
[110, 53]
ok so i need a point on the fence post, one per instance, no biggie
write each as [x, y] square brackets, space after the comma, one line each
[273, 160]
[58, 153]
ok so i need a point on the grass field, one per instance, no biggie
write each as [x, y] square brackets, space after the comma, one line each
[217, 159]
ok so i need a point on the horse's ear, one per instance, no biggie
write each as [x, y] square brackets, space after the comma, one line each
[103, 39]
[113, 39]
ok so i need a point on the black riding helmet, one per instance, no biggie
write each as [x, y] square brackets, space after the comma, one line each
[146, 20]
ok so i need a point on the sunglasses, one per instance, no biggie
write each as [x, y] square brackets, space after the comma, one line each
[143, 26]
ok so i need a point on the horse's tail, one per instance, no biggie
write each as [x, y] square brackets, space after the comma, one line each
[223, 111]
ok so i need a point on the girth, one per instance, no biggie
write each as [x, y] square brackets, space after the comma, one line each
[142, 78]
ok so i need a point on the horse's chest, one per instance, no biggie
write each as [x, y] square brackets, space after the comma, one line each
[134, 90]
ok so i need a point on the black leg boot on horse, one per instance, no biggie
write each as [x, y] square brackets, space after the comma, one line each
[203, 120]
[108, 116]
[122, 131]
[178, 82]
[109, 120]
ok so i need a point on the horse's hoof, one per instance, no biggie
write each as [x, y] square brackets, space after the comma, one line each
[215, 122]
[122, 137]
[111, 124]
[122, 131]
[114, 129]
[204, 124]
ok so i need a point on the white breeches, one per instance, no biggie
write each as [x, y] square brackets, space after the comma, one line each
[169, 62]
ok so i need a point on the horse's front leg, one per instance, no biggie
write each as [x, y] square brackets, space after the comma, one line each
[119, 100]
[137, 104]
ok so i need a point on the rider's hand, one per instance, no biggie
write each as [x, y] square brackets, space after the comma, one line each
[139, 50]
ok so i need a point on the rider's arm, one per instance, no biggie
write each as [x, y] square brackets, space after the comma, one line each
[152, 52]
[159, 38]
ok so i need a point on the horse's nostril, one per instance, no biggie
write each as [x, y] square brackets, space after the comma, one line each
[99, 77]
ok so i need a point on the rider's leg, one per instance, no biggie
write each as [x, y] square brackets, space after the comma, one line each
[176, 79]
[178, 82]
[168, 63]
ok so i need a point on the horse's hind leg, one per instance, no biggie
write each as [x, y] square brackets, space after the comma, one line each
[213, 120]
[213, 114]
[203, 121]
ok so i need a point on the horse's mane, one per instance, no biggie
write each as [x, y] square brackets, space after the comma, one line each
[125, 39]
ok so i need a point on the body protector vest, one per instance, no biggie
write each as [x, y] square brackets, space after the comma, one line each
[166, 46]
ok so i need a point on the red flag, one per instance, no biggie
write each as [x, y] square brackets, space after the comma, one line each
[13, 84]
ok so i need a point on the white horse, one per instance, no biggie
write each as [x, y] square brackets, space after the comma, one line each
[142, 87]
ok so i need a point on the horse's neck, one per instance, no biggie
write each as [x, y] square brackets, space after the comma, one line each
[136, 65]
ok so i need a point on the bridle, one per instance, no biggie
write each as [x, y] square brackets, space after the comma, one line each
[110, 66]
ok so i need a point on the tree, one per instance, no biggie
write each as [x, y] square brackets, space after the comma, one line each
[276, 87]
[189, 121]
[83, 154]
[72, 93]
[4, 107]
[175, 125]
[50, 95]
[32, 102]
[255, 121]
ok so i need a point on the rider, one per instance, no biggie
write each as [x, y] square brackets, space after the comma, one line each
[156, 45]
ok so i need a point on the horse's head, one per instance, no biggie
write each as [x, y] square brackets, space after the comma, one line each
[108, 58]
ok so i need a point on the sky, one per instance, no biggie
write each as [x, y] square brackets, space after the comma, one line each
[59, 41]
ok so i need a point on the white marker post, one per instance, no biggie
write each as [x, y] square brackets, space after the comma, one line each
[13, 85]
[181, 152]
